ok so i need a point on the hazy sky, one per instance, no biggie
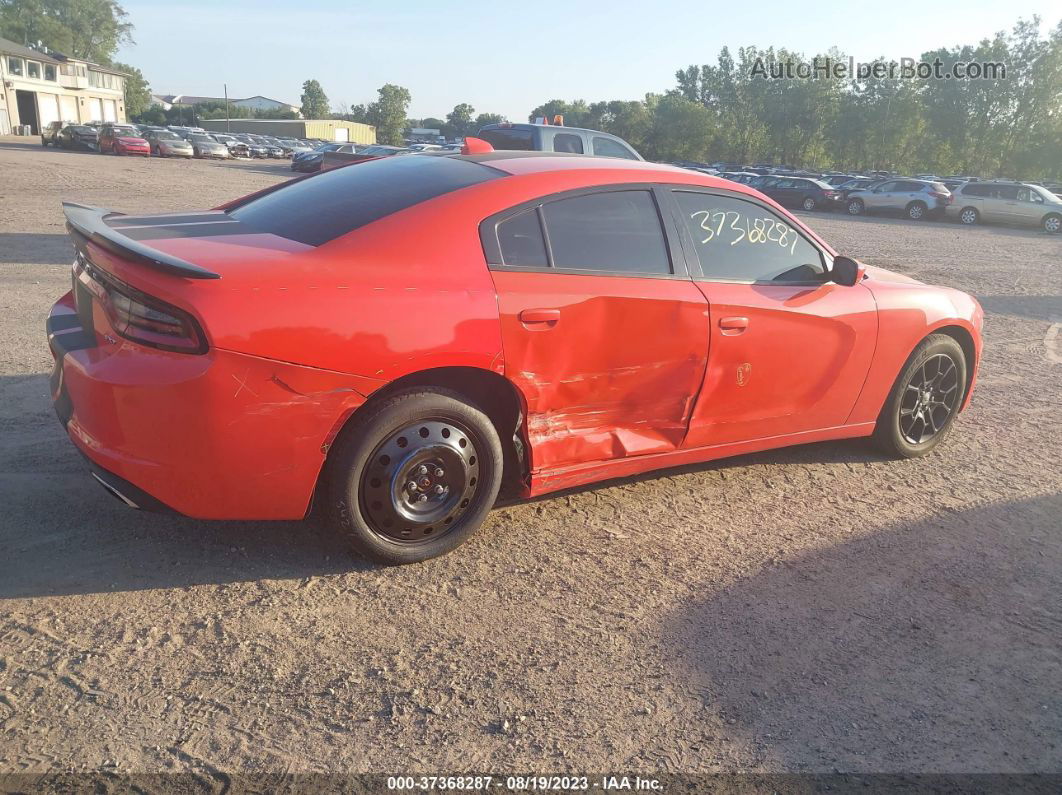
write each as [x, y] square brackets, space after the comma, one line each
[508, 57]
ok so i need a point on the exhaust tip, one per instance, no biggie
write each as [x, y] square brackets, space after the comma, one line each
[114, 492]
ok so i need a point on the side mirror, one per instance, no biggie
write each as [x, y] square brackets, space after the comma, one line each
[847, 272]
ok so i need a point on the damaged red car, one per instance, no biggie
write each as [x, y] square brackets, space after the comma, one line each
[402, 340]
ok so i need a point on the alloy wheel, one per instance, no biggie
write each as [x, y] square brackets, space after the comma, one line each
[929, 399]
[915, 211]
[1053, 224]
[968, 216]
[420, 480]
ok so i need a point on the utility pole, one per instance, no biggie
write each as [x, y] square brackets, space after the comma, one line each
[226, 106]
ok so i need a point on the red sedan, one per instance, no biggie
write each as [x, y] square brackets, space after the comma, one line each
[122, 139]
[402, 339]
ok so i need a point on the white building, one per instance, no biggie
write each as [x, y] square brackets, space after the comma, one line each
[41, 87]
[258, 102]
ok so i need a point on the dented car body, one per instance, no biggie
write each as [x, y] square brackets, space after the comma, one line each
[602, 317]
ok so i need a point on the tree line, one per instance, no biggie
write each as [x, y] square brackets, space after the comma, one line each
[1005, 126]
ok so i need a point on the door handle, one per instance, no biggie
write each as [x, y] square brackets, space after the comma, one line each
[549, 317]
[732, 326]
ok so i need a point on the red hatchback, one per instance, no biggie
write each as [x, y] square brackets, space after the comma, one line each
[122, 139]
[402, 339]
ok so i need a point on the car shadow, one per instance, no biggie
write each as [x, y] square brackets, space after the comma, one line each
[929, 646]
[63, 534]
[274, 168]
[27, 248]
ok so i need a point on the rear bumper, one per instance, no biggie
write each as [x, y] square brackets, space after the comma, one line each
[221, 435]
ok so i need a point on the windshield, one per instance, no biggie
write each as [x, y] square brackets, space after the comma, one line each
[125, 131]
[167, 136]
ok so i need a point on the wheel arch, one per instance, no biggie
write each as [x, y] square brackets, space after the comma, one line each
[495, 394]
[969, 349]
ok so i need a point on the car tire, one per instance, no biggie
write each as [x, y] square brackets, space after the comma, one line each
[916, 211]
[911, 424]
[414, 475]
[968, 216]
[809, 203]
[1052, 224]
[856, 207]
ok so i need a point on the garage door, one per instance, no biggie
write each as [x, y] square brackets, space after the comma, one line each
[95, 109]
[68, 108]
[342, 134]
[110, 110]
[47, 108]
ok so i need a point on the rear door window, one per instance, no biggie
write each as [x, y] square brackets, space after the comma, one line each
[333, 203]
[614, 232]
[606, 147]
[520, 241]
[568, 142]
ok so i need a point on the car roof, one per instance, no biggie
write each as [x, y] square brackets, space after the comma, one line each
[527, 163]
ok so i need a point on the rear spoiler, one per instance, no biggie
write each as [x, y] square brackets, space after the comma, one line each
[88, 224]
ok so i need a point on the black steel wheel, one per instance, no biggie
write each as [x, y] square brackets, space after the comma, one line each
[414, 475]
[420, 480]
[925, 399]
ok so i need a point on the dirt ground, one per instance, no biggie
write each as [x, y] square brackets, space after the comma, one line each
[809, 609]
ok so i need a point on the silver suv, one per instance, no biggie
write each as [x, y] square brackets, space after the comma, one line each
[1008, 203]
[915, 198]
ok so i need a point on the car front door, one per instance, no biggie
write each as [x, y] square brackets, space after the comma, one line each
[877, 198]
[789, 349]
[603, 331]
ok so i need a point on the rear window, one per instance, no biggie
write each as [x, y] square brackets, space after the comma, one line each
[511, 139]
[332, 203]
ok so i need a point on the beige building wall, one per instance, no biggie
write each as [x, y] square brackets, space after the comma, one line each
[38, 91]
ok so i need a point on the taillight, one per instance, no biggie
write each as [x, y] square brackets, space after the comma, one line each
[937, 195]
[139, 317]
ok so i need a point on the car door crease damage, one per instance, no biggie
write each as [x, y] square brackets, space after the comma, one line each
[538, 324]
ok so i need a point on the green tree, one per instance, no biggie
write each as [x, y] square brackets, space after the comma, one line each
[154, 115]
[388, 113]
[137, 90]
[483, 119]
[91, 30]
[459, 121]
[681, 130]
[360, 113]
[314, 101]
[275, 113]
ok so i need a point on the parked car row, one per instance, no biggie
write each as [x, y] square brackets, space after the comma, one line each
[969, 201]
[173, 141]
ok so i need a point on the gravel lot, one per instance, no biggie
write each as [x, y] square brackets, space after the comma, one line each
[805, 609]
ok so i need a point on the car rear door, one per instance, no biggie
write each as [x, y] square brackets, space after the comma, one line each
[789, 349]
[603, 331]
